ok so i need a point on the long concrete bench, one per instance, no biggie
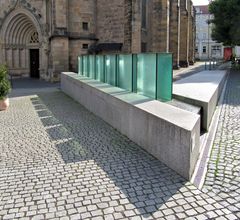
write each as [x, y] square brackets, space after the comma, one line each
[202, 89]
[168, 133]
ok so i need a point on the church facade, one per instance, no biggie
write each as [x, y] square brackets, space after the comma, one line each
[41, 38]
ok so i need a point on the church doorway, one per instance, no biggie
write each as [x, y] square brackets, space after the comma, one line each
[34, 63]
[22, 44]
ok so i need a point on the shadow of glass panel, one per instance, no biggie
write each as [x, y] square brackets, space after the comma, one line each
[119, 165]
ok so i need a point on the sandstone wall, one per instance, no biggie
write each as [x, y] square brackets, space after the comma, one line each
[110, 21]
[76, 49]
[82, 11]
[184, 33]
[59, 56]
[192, 34]
[174, 37]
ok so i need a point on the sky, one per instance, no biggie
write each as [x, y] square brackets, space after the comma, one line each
[200, 2]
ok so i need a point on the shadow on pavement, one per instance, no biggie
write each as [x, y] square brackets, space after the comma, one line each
[145, 181]
[30, 86]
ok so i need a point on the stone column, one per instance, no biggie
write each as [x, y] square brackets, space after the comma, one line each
[60, 56]
[59, 41]
[160, 26]
[174, 42]
[128, 13]
[61, 12]
[192, 31]
[10, 58]
[184, 34]
[136, 26]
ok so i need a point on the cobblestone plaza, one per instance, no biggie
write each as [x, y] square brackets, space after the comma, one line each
[59, 161]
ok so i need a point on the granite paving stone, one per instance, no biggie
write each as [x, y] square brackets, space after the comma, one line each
[59, 161]
[223, 173]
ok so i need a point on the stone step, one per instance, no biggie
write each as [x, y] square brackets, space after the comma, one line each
[201, 89]
[185, 106]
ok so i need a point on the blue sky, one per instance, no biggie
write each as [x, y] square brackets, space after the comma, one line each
[200, 2]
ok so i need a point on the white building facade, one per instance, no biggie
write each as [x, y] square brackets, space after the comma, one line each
[206, 48]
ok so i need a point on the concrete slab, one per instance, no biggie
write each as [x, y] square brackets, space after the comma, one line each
[185, 106]
[202, 89]
[167, 132]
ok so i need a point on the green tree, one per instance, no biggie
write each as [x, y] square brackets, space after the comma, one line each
[5, 86]
[226, 28]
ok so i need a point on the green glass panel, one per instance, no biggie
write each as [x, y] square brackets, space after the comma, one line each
[80, 65]
[134, 77]
[125, 71]
[147, 74]
[111, 69]
[91, 66]
[164, 77]
[85, 65]
[100, 73]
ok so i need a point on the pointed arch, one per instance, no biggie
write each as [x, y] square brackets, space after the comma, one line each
[18, 24]
[20, 32]
[17, 18]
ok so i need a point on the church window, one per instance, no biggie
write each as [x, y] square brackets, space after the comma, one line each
[85, 46]
[85, 26]
[34, 38]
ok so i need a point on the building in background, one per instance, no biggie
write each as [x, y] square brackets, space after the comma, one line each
[41, 38]
[206, 47]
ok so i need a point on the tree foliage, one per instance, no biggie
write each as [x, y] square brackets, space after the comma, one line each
[5, 86]
[226, 28]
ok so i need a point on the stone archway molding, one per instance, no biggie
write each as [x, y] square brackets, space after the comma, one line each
[22, 7]
[16, 29]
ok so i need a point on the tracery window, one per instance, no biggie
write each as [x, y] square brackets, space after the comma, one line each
[34, 38]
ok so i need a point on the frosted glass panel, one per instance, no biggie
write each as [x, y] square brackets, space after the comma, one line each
[111, 69]
[92, 66]
[100, 68]
[125, 71]
[164, 81]
[146, 74]
[85, 65]
[80, 65]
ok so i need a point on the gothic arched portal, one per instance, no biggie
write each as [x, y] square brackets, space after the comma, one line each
[22, 44]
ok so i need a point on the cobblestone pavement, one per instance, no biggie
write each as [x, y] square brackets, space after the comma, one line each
[223, 175]
[59, 161]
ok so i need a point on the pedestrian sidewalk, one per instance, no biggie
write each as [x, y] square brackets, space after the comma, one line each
[197, 67]
[183, 72]
[223, 170]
